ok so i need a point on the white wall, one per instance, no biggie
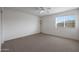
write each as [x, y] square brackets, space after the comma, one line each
[0, 29]
[48, 25]
[17, 24]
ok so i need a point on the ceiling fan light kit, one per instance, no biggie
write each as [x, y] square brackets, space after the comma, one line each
[44, 10]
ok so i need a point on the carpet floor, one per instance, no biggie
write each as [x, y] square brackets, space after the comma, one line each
[40, 43]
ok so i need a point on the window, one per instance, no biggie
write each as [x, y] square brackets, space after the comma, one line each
[65, 21]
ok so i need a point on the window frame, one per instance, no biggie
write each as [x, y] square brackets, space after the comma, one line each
[64, 21]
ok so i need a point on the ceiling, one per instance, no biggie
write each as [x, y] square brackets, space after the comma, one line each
[36, 10]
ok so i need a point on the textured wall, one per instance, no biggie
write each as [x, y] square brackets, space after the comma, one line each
[17, 24]
[48, 25]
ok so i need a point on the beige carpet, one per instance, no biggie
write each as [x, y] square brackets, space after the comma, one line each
[41, 43]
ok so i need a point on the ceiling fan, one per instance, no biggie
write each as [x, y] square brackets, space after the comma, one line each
[43, 10]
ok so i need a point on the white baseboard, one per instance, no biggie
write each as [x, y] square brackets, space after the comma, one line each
[18, 36]
[60, 36]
